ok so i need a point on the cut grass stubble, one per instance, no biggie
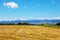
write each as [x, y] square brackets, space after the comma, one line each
[28, 32]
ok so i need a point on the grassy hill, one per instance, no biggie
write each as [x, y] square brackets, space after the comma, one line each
[28, 32]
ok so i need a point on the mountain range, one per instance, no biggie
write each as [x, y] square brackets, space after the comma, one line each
[33, 21]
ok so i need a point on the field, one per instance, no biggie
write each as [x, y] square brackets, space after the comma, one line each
[28, 32]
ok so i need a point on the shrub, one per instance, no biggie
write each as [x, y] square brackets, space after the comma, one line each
[24, 23]
[58, 23]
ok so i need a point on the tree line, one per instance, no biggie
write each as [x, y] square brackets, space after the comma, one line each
[24, 23]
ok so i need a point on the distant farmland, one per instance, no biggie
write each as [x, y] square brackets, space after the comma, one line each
[28, 32]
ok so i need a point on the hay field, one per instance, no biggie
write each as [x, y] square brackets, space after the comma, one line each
[28, 32]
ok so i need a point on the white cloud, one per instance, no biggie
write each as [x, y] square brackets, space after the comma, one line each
[53, 1]
[57, 18]
[25, 6]
[50, 18]
[11, 4]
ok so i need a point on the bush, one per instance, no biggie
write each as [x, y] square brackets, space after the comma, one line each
[58, 23]
[24, 23]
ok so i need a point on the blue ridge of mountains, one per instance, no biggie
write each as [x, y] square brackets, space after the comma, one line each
[32, 21]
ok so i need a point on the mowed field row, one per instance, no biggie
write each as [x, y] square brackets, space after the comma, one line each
[28, 32]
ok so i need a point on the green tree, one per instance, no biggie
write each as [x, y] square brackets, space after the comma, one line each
[58, 23]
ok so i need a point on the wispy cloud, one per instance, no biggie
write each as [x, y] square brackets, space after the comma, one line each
[25, 6]
[53, 1]
[57, 18]
[11, 4]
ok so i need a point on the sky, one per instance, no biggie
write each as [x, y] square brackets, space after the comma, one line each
[29, 9]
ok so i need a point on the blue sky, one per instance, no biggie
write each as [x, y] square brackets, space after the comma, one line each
[29, 9]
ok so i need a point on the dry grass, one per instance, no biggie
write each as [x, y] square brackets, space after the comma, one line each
[25, 32]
